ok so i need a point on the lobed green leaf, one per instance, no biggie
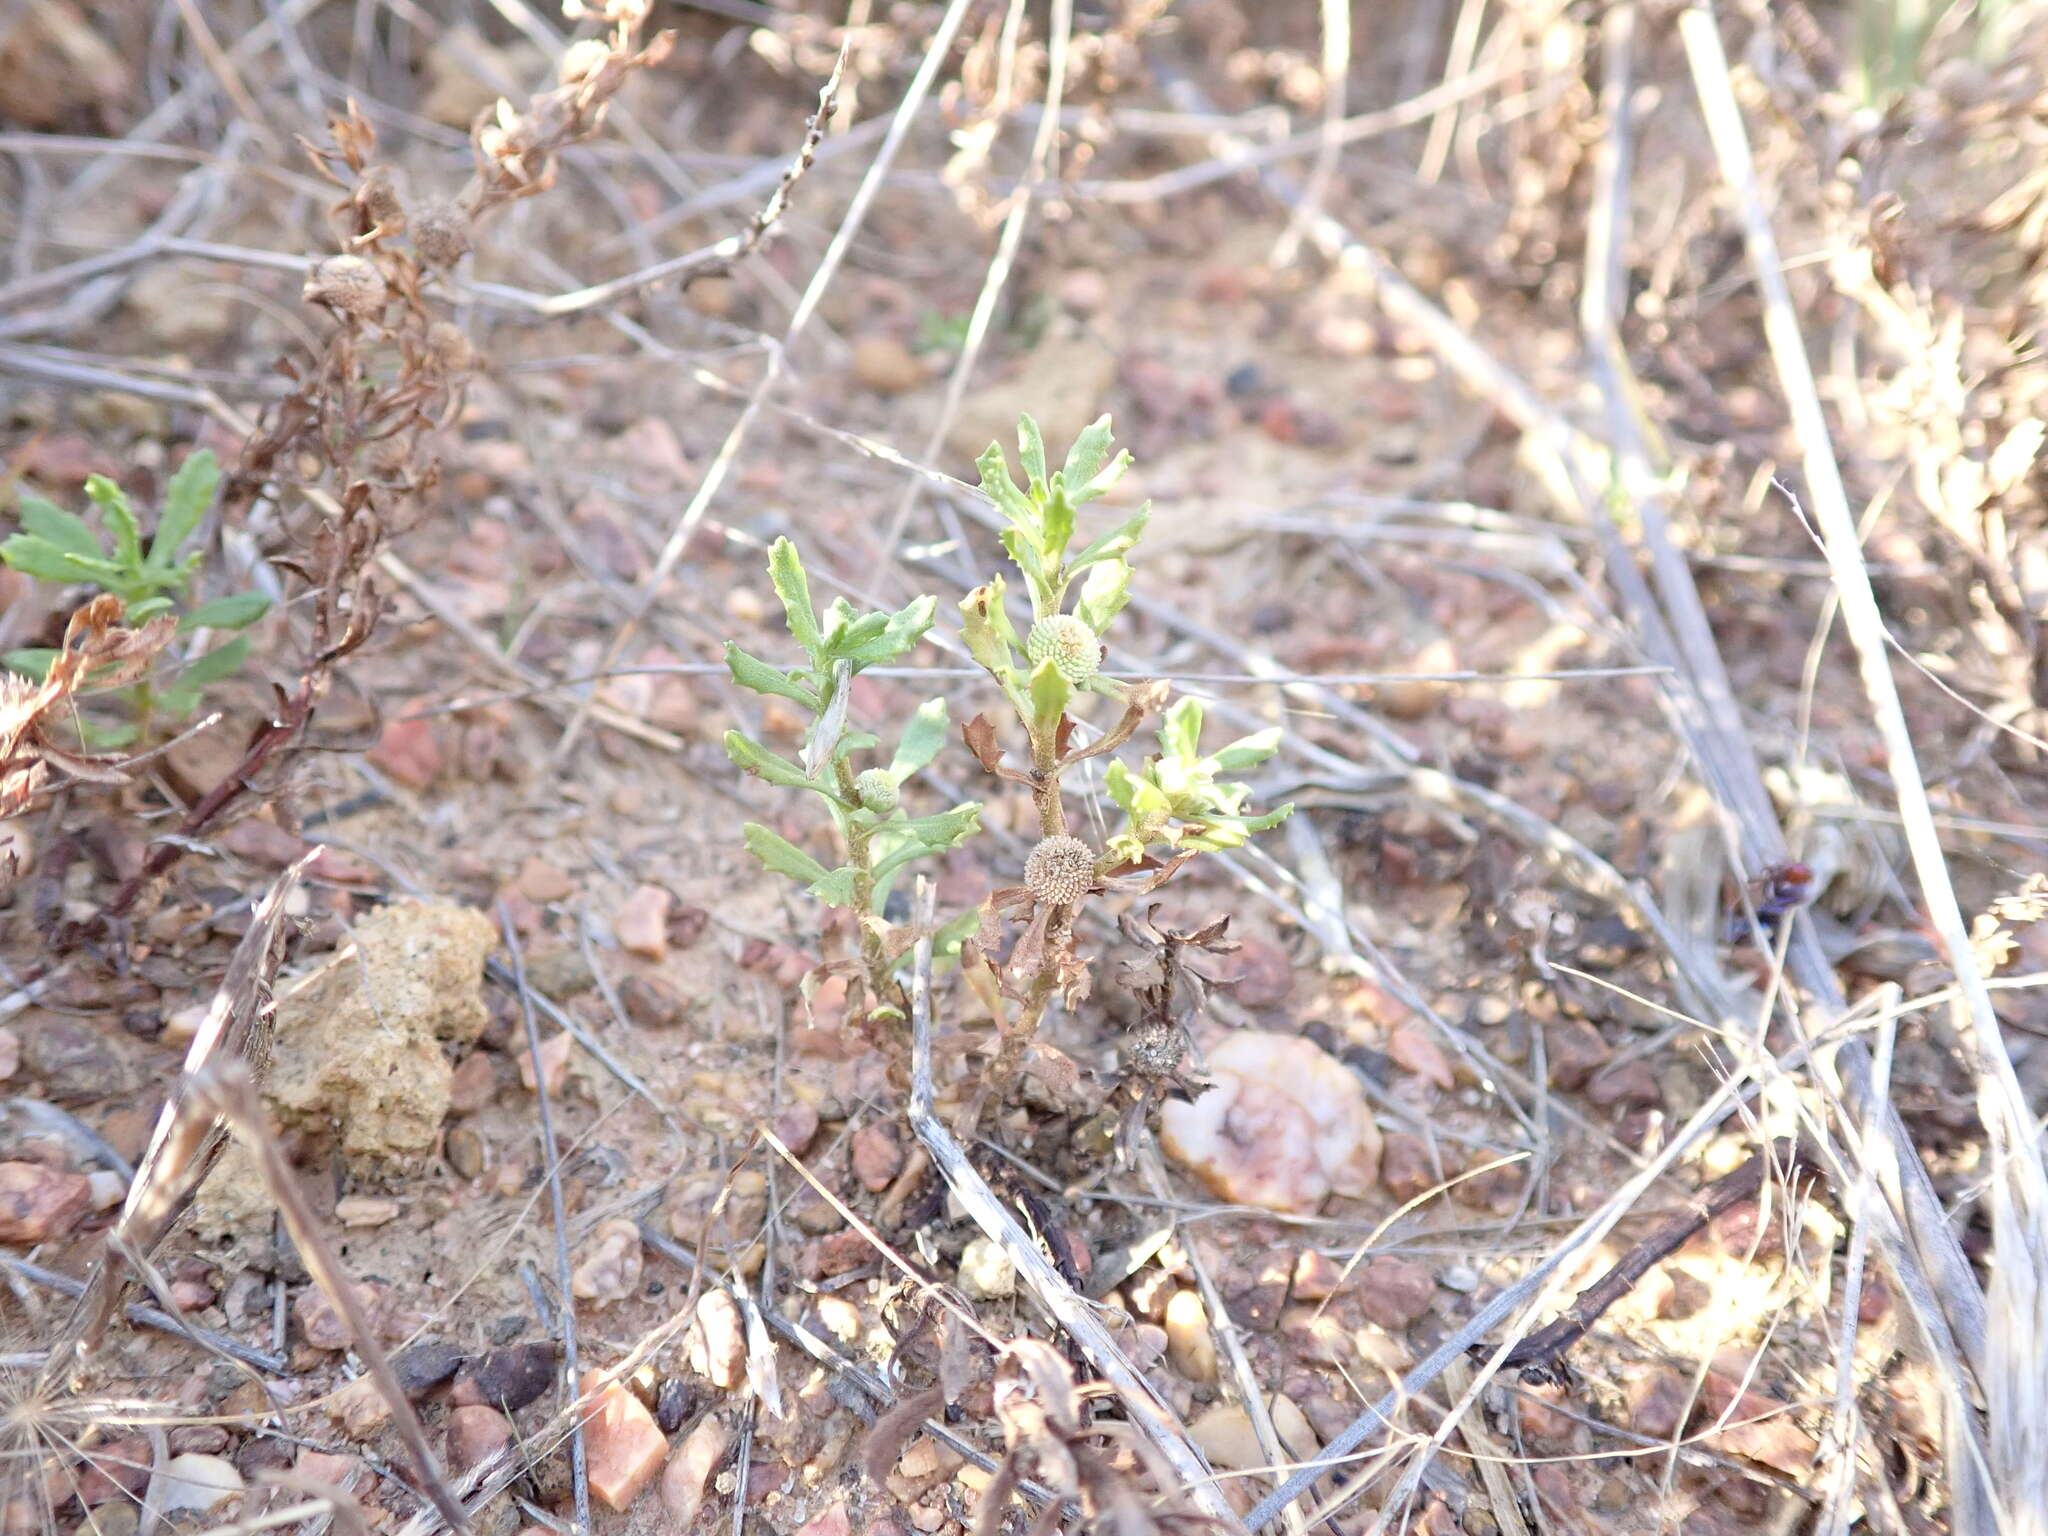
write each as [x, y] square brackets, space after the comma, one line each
[752, 673]
[921, 739]
[786, 574]
[238, 611]
[113, 501]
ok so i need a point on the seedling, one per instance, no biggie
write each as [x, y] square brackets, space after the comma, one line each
[60, 547]
[1176, 803]
[861, 791]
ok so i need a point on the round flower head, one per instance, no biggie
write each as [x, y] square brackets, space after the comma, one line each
[440, 233]
[348, 284]
[1060, 871]
[1068, 643]
[876, 791]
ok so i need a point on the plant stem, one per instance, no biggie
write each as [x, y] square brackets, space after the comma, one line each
[882, 988]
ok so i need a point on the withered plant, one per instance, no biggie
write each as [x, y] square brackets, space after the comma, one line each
[348, 456]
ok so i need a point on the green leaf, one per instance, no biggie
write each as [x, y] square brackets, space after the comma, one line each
[997, 485]
[1120, 540]
[222, 661]
[33, 556]
[898, 632]
[836, 889]
[113, 501]
[32, 663]
[753, 673]
[1023, 549]
[176, 703]
[1247, 751]
[186, 499]
[1084, 458]
[929, 834]
[979, 631]
[786, 572]
[1031, 455]
[1121, 785]
[759, 761]
[781, 855]
[53, 525]
[148, 608]
[921, 739]
[1059, 523]
[236, 612]
[109, 734]
[1050, 696]
[1181, 730]
[1104, 594]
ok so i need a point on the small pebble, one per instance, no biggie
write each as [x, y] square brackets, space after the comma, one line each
[195, 1482]
[424, 1365]
[611, 1265]
[475, 1435]
[365, 1210]
[689, 1471]
[877, 1155]
[554, 1062]
[508, 1378]
[623, 1446]
[718, 1340]
[886, 366]
[1190, 1347]
[986, 1271]
[641, 922]
[38, 1203]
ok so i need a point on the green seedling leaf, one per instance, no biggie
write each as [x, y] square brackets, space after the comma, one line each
[186, 499]
[1084, 458]
[1104, 594]
[113, 501]
[763, 764]
[31, 663]
[223, 660]
[786, 573]
[781, 855]
[1120, 540]
[884, 637]
[921, 739]
[1031, 455]
[753, 673]
[1181, 731]
[148, 608]
[1050, 695]
[47, 562]
[997, 485]
[53, 525]
[236, 612]
[1058, 524]
[1247, 751]
[850, 630]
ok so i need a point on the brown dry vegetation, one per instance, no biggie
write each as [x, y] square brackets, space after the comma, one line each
[1609, 505]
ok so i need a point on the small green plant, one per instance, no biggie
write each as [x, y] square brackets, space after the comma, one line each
[60, 547]
[862, 791]
[1175, 803]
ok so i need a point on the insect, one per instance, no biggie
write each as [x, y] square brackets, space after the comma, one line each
[1774, 893]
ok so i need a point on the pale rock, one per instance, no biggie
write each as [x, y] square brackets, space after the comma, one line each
[641, 921]
[365, 1210]
[554, 1064]
[1285, 1126]
[832, 1522]
[689, 1471]
[109, 1189]
[195, 1482]
[1190, 1346]
[986, 1271]
[623, 1447]
[1413, 1051]
[717, 1345]
[10, 1054]
[886, 366]
[612, 1262]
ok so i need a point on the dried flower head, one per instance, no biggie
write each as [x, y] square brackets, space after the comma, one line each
[1068, 643]
[349, 285]
[1060, 871]
[583, 59]
[449, 347]
[876, 791]
[377, 196]
[440, 233]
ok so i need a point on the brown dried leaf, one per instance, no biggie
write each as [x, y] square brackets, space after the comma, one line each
[980, 736]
